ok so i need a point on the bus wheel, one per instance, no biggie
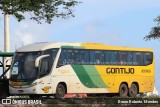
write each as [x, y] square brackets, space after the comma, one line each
[133, 90]
[123, 90]
[60, 91]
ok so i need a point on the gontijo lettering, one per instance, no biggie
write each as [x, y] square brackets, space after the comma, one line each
[120, 70]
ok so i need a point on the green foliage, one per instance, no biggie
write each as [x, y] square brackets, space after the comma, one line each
[38, 9]
[155, 32]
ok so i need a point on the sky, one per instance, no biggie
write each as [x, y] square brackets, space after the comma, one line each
[112, 22]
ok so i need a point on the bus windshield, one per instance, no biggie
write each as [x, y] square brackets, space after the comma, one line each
[23, 66]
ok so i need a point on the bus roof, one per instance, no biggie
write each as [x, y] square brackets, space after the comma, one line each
[6, 54]
[44, 46]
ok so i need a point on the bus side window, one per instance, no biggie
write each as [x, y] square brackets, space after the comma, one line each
[86, 57]
[95, 57]
[44, 67]
[114, 57]
[139, 58]
[103, 58]
[70, 56]
[98, 57]
[92, 57]
[107, 57]
[62, 59]
[148, 58]
[130, 59]
[77, 57]
[123, 57]
[81, 56]
[47, 62]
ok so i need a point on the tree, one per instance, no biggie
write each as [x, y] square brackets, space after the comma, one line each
[38, 9]
[155, 32]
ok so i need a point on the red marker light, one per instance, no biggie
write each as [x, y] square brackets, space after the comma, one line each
[20, 91]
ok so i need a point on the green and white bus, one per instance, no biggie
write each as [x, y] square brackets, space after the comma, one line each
[61, 68]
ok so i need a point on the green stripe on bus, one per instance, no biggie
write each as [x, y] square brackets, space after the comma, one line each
[89, 76]
[95, 76]
[73, 47]
[83, 76]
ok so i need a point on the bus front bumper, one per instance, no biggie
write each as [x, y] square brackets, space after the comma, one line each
[26, 90]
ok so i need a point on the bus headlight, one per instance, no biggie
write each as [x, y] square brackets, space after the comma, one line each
[35, 83]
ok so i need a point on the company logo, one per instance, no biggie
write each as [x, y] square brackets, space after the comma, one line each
[119, 71]
[46, 89]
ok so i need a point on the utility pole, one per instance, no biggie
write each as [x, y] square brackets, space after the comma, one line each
[6, 34]
[6, 42]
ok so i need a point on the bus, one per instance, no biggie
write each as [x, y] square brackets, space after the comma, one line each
[46, 69]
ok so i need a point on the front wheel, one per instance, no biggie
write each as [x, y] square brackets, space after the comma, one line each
[133, 90]
[60, 91]
[123, 90]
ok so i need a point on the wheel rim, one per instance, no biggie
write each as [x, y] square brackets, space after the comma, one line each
[133, 91]
[123, 90]
[60, 91]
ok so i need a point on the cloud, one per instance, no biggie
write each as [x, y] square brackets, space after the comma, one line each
[25, 38]
[28, 32]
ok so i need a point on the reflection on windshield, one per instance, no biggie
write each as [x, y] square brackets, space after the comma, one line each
[23, 66]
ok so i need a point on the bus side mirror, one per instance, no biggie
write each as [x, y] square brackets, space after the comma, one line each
[39, 58]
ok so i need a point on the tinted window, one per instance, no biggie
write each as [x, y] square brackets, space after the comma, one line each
[81, 56]
[90, 57]
[114, 57]
[123, 58]
[95, 57]
[77, 56]
[70, 56]
[137, 58]
[73, 56]
[47, 63]
[130, 58]
[107, 57]
[66, 57]
[84, 56]
[45, 69]
[62, 59]
[148, 57]
[103, 59]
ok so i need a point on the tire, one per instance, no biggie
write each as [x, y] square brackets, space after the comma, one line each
[123, 90]
[3, 92]
[60, 91]
[133, 90]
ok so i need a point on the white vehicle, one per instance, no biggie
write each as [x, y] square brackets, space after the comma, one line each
[61, 68]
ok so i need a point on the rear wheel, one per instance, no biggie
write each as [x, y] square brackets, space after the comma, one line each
[60, 91]
[133, 90]
[123, 90]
